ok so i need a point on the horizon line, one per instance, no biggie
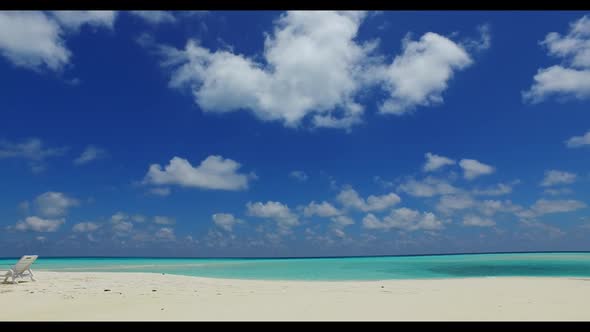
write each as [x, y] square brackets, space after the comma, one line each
[317, 257]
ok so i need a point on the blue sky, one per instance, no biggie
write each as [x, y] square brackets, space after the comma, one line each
[293, 133]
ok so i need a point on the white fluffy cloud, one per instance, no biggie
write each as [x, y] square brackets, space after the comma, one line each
[74, 19]
[571, 79]
[37, 224]
[473, 168]
[214, 172]
[341, 221]
[579, 141]
[555, 177]
[472, 220]
[85, 227]
[122, 228]
[89, 154]
[32, 40]
[421, 73]
[165, 234]
[163, 220]
[557, 191]
[404, 219]
[36, 40]
[118, 217]
[557, 80]
[497, 190]
[351, 199]
[299, 176]
[427, 187]
[138, 218]
[450, 203]
[314, 68]
[491, 207]
[544, 206]
[154, 16]
[225, 221]
[434, 162]
[276, 211]
[54, 204]
[323, 209]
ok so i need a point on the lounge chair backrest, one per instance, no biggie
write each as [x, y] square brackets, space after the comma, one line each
[24, 263]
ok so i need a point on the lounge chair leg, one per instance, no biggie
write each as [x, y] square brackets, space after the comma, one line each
[31, 274]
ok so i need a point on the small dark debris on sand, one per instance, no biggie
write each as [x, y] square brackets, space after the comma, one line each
[153, 290]
[107, 290]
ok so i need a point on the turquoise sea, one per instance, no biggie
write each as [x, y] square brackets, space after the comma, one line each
[345, 268]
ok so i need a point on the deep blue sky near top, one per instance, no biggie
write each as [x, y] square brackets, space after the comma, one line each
[113, 93]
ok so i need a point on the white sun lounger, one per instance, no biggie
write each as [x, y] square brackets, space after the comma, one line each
[21, 269]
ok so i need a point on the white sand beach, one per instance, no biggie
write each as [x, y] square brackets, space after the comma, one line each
[81, 296]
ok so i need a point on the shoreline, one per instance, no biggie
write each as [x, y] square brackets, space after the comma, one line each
[139, 296]
[315, 280]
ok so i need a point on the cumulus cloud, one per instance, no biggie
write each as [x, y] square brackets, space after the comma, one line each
[427, 187]
[122, 228]
[559, 191]
[124, 217]
[54, 204]
[497, 190]
[276, 211]
[341, 221]
[85, 227]
[476, 221]
[404, 219]
[138, 218]
[420, 75]
[165, 234]
[578, 141]
[32, 40]
[32, 150]
[572, 78]
[118, 217]
[225, 221]
[89, 154]
[555, 177]
[552, 231]
[434, 162]
[544, 206]
[450, 203]
[473, 168]
[351, 199]
[491, 207]
[214, 172]
[313, 68]
[154, 16]
[37, 224]
[36, 40]
[483, 43]
[163, 220]
[323, 209]
[74, 19]
[299, 175]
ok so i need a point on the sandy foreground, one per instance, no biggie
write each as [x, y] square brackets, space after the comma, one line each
[82, 296]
